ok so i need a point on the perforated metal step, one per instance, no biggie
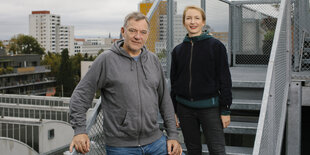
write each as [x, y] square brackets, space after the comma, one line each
[230, 150]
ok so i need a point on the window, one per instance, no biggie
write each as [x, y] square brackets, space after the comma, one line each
[36, 138]
[51, 134]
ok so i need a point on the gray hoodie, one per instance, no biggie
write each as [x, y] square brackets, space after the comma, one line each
[132, 94]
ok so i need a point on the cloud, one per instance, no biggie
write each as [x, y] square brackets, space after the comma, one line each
[91, 17]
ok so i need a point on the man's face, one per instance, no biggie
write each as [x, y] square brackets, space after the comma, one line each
[135, 35]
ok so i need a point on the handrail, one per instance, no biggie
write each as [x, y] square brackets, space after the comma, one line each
[91, 121]
[269, 135]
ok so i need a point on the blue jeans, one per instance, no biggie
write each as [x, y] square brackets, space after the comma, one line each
[159, 147]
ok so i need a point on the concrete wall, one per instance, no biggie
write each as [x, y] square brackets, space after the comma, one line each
[10, 146]
[63, 134]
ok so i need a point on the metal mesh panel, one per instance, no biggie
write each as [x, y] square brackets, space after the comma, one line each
[158, 37]
[301, 36]
[256, 31]
[272, 117]
[97, 144]
[95, 133]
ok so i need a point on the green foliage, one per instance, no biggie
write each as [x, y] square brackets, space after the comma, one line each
[76, 66]
[25, 44]
[1, 70]
[162, 54]
[9, 69]
[1, 44]
[53, 60]
[67, 70]
[269, 35]
[65, 77]
[100, 51]
[12, 47]
[6, 70]
[269, 23]
[85, 57]
[267, 42]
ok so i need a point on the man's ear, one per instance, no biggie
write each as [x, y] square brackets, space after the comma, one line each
[122, 30]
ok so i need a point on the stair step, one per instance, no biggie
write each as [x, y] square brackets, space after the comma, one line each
[241, 104]
[306, 61]
[253, 119]
[230, 150]
[241, 128]
[248, 128]
[248, 84]
[306, 50]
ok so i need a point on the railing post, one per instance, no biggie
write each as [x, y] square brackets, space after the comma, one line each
[293, 125]
[169, 35]
[203, 5]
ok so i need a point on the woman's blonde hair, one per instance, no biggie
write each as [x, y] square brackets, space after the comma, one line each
[203, 15]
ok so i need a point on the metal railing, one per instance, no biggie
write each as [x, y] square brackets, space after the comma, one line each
[94, 130]
[252, 27]
[301, 36]
[272, 117]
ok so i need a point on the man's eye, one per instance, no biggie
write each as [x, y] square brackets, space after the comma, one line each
[144, 32]
[132, 30]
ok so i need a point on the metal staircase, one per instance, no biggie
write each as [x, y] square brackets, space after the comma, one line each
[247, 96]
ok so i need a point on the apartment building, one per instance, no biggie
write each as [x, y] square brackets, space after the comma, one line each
[92, 46]
[49, 32]
[23, 74]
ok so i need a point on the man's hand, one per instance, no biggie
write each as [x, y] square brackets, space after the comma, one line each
[177, 120]
[81, 143]
[225, 120]
[173, 147]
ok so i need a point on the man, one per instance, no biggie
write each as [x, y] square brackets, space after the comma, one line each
[133, 91]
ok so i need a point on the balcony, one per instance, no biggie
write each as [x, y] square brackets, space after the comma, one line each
[25, 83]
[27, 70]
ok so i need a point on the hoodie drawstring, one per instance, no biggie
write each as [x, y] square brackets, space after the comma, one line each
[131, 65]
[142, 64]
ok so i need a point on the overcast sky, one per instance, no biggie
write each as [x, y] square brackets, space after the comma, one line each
[91, 17]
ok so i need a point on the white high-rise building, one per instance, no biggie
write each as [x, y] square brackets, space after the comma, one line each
[49, 32]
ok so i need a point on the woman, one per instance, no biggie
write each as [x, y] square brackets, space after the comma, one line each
[201, 85]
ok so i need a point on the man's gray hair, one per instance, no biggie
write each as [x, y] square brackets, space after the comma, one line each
[136, 16]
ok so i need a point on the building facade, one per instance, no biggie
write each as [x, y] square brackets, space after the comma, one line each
[49, 32]
[35, 123]
[23, 74]
[144, 8]
[92, 46]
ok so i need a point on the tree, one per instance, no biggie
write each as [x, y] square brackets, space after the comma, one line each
[1, 44]
[85, 57]
[12, 47]
[100, 51]
[25, 44]
[76, 66]
[65, 78]
[53, 60]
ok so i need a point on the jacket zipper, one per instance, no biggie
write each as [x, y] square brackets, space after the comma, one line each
[140, 106]
[190, 72]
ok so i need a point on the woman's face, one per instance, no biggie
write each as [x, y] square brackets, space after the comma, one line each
[193, 22]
